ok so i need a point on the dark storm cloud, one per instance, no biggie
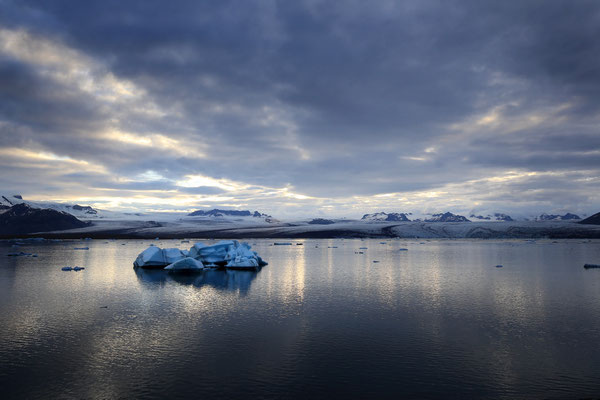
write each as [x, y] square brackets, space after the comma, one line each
[333, 98]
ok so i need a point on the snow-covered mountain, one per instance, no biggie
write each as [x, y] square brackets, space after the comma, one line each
[555, 217]
[21, 218]
[382, 216]
[492, 217]
[446, 217]
[236, 214]
[82, 212]
[7, 201]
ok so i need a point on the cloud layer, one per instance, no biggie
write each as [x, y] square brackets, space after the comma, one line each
[304, 107]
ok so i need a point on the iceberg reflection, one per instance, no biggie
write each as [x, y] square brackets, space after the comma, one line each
[216, 278]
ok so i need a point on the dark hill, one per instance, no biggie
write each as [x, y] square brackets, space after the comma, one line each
[321, 221]
[22, 219]
[593, 220]
[233, 213]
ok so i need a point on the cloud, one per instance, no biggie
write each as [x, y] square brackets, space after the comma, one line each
[324, 106]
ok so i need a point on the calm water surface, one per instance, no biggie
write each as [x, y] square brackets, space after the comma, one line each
[320, 321]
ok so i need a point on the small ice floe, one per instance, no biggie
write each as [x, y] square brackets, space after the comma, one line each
[332, 247]
[375, 261]
[588, 266]
[362, 248]
[402, 249]
[282, 244]
[19, 254]
[382, 242]
[81, 248]
[499, 266]
[76, 268]
[299, 244]
[34, 255]
[185, 241]
[185, 264]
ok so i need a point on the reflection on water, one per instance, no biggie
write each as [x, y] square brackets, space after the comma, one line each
[238, 280]
[321, 320]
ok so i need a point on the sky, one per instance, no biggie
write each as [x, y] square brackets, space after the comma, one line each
[303, 108]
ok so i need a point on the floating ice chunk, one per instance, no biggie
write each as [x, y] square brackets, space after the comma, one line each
[81, 248]
[224, 253]
[214, 254]
[154, 257]
[172, 254]
[402, 249]
[261, 262]
[241, 262]
[239, 250]
[185, 264]
[282, 244]
[78, 268]
[194, 251]
[66, 269]
[499, 266]
[587, 266]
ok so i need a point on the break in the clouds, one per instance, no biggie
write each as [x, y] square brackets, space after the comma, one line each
[303, 107]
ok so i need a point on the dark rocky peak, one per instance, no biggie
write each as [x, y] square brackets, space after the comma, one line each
[382, 216]
[447, 217]
[321, 221]
[22, 219]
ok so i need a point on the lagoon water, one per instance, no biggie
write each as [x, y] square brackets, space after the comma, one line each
[321, 320]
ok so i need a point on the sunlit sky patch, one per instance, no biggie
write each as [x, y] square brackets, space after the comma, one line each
[304, 108]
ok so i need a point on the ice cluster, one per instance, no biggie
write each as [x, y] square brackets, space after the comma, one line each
[226, 253]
